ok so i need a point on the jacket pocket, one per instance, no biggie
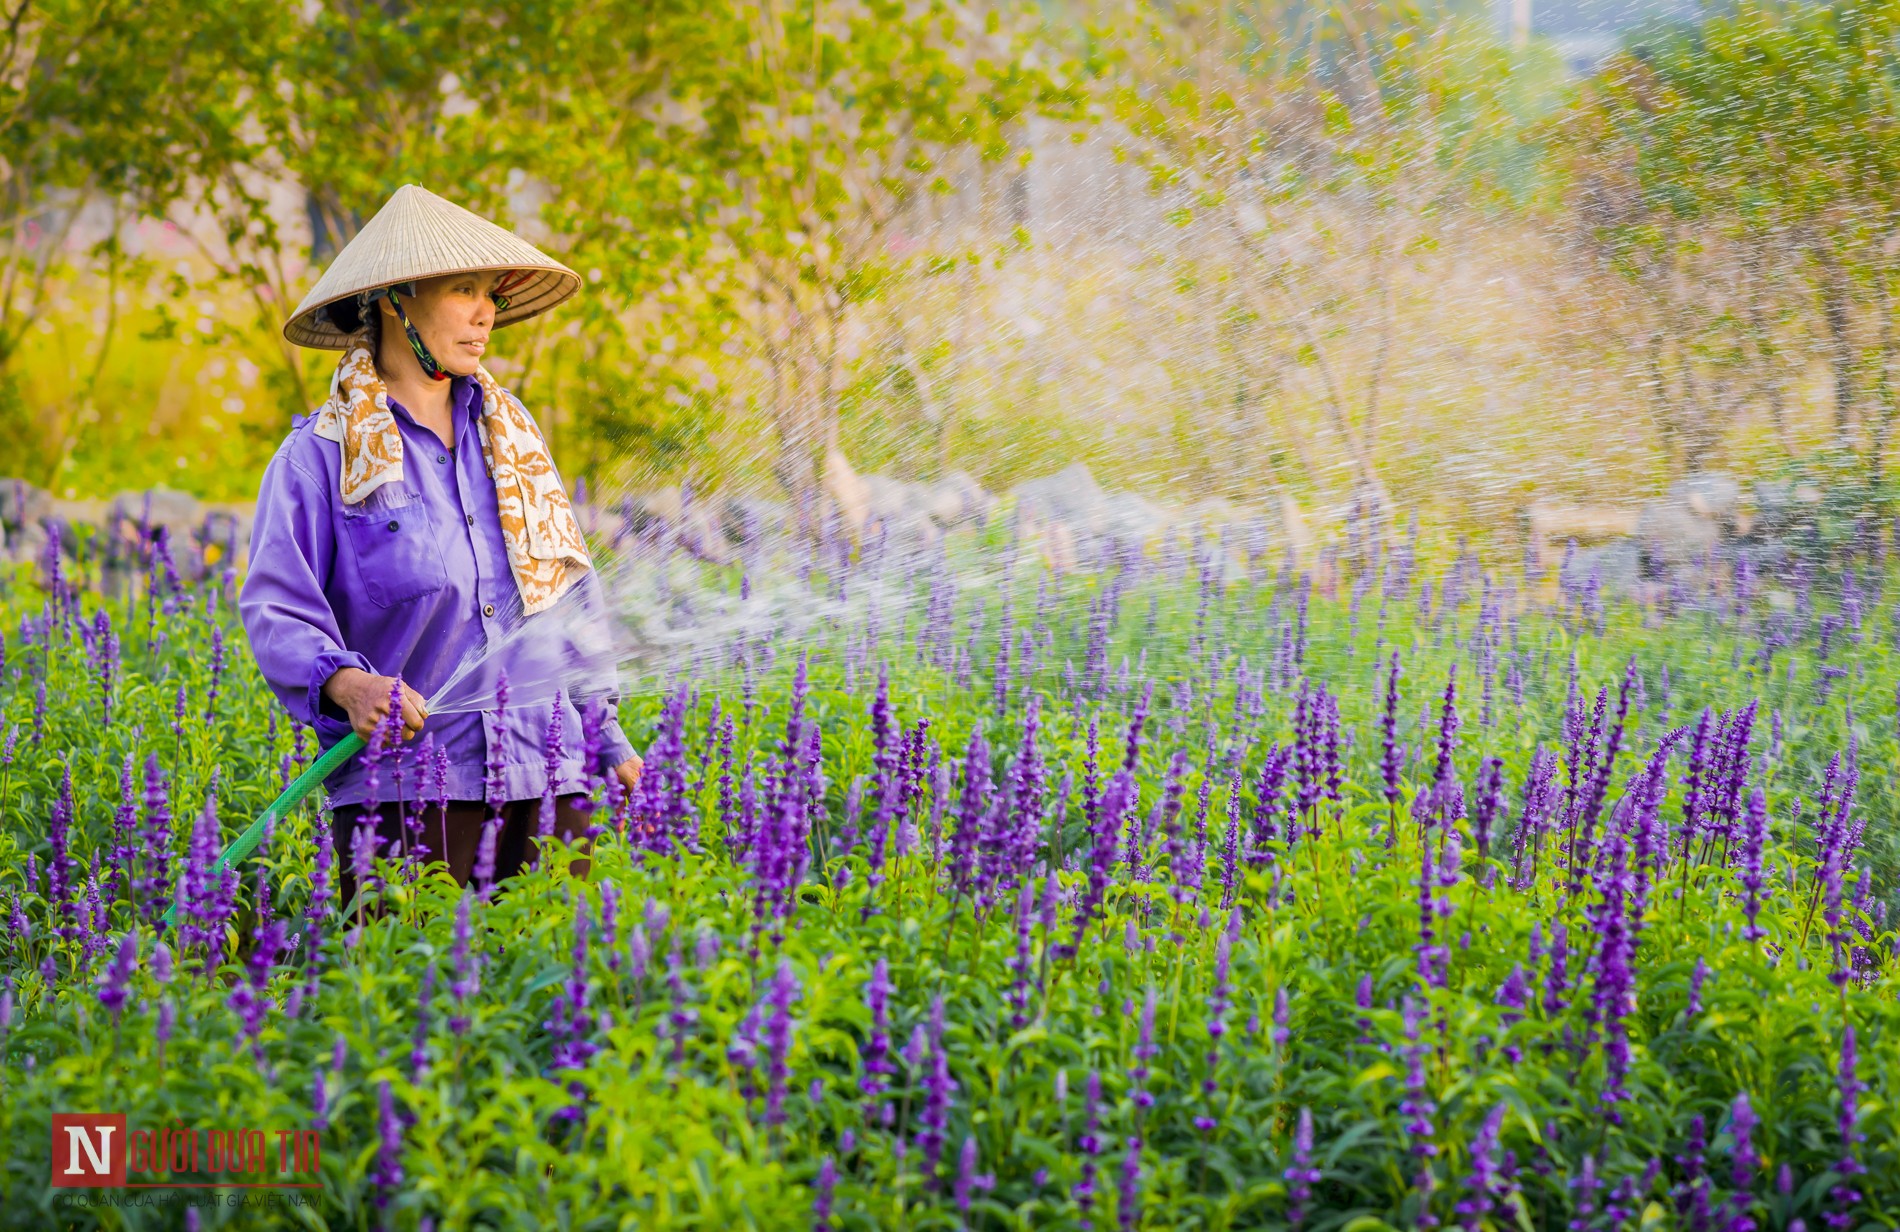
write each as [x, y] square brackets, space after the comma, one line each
[396, 553]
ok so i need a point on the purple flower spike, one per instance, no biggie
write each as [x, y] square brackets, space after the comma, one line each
[1302, 1175]
[112, 987]
[1130, 1191]
[822, 1195]
[1145, 1051]
[1392, 757]
[387, 1174]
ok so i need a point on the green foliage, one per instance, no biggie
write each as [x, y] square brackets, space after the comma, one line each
[674, 1130]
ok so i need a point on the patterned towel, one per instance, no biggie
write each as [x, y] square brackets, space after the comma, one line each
[544, 541]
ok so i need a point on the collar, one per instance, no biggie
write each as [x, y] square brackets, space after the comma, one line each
[465, 399]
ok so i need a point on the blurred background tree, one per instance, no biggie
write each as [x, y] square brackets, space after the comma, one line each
[1741, 173]
[1215, 247]
[123, 108]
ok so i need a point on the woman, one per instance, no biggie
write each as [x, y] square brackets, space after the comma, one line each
[410, 524]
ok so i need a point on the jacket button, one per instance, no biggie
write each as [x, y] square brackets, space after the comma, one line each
[471, 519]
[488, 609]
[392, 524]
[441, 457]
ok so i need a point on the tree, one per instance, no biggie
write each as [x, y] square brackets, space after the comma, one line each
[1743, 173]
[125, 102]
[1325, 144]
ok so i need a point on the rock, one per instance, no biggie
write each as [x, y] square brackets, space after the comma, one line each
[664, 504]
[1617, 566]
[747, 520]
[23, 507]
[1714, 497]
[1293, 528]
[1253, 530]
[1553, 523]
[1681, 528]
[225, 534]
[848, 492]
[695, 524]
[1070, 495]
[956, 499]
[1074, 499]
[22, 504]
[133, 515]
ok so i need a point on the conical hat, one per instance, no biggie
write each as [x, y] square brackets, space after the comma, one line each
[419, 235]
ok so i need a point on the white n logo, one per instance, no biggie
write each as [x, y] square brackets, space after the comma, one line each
[77, 1139]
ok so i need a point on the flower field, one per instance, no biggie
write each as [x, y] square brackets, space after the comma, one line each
[1188, 890]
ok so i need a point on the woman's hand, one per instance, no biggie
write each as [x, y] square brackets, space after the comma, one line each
[628, 772]
[365, 698]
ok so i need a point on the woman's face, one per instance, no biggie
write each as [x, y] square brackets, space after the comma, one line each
[454, 314]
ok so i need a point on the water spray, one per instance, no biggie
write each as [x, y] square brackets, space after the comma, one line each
[663, 623]
[567, 648]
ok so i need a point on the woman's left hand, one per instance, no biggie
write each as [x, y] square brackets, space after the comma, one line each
[628, 773]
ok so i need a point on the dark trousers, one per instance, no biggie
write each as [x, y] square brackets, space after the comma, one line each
[454, 835]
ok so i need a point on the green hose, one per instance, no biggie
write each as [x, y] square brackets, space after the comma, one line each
[244, 844]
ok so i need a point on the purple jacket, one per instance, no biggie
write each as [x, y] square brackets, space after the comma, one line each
[406, 583]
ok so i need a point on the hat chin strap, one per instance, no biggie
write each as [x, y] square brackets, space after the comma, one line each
[433, 370]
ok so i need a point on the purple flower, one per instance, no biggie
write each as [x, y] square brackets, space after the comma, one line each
[1132, 754]
[939, 1089]
[1392, 757]
[483, 874]
[1230, 848]
[1486, 1183]
[1754, 838]
[1843, 1197]
[1489, 804]
[822, 1195]
[320, 1099]
[387, 1174]
[1267, 789]
[61, 868]
[419, 1036]
[554, 751]
[1442, 769]
[465, 966]
[217, 671]
[1418, 1105]
[778, 1040]
[1615, 991]
[877, 1050]
[1742, 1123]
[1587, 1186]
[495, 779]
[1117, 800]
[1130, 1192]
[1089, 1143]
[1301, 1176]
[663, 801]
[968, 1178]
[125, 823]
[1692, 1194]
[1432, 957]
[570, 1025]
[1145, 1051]
[1557, 979]
[112, 986]
[1217, 1006]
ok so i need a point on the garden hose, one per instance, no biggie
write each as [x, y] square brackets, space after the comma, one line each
[244, 844]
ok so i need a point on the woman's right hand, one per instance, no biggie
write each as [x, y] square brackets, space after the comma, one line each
[365, 698]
